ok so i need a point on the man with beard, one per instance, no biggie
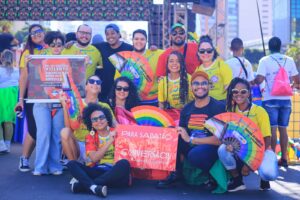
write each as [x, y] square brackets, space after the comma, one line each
[82, 47]
[196, 143]
[188, 50]
[108, 48]
[139, 40]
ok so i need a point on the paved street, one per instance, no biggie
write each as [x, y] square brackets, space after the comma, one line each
[15, 185]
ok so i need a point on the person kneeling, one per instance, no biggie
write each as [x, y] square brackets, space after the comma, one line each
[100, 171]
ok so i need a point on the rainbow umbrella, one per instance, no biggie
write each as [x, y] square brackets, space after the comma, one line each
[137, 68]
[242, 133]
[152, 116]
[74, 101]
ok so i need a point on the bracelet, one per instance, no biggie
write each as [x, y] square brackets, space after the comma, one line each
[191, 140]
[21, 98]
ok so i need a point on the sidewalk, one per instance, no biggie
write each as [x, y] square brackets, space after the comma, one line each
[15, 185]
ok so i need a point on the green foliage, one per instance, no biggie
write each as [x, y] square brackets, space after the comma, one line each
[253, 55]
[293, 51]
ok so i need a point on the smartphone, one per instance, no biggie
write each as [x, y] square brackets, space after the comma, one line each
[19, 112]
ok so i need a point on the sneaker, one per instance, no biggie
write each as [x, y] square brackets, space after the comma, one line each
[283, 163]
[236, 184]
[169, 181]
[75, 187]
[8, 144]
[24, 164]
[35, 173]
[101, 191]
[57, 173]
[210, 185]
[3, 147]
[264, 185]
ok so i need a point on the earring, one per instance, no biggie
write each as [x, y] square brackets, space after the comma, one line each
[92, 132]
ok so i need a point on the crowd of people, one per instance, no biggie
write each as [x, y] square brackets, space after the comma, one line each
[190, 80]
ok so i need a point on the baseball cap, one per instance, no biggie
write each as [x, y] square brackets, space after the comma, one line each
[113, 26]
[199, 73]
[177, 25]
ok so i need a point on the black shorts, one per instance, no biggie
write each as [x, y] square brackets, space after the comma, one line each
[30, 119]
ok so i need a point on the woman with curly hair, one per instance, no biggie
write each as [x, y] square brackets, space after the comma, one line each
[101, 171]
[174, 90]
[122, 98]
[220, 74]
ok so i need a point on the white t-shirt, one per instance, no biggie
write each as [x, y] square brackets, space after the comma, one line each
[237, 69]
[9, 80]
[268, 68]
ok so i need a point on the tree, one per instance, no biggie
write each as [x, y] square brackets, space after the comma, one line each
[294, 52]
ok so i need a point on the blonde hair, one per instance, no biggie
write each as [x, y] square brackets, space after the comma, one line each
[7, 60]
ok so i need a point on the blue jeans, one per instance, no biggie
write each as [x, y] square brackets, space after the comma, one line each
[279, 111]
[48, 145]
[203, 156]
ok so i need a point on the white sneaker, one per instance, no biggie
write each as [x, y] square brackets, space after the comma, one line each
[3, 148]
[24, 164]
[7, 143]
[57, 173]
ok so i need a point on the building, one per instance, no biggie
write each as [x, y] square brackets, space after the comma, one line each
[295, 18]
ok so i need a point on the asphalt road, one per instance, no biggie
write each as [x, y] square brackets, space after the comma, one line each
[15, 185]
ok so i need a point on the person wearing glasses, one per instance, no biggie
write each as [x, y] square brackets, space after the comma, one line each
[82, 47]
[73, 140]
[196, 143]
[49, 121]
[239, 100]
[35, 45]
[101, 170]
[122, 98]
[220, 74]
[178, 43]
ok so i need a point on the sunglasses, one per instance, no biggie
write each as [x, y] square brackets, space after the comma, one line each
[125, 89]
[208, 51]
[202, 84]
[93, 81]
[181, 32]
[37, 32]
[85, 33]
[236, 91]
[56, 45]
[100, 117]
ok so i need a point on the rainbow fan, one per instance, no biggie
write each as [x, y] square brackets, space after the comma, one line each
[136, 68]
[152, 116]
[242, 133]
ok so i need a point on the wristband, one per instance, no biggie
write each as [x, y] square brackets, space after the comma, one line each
[21, 98]
[191, 140]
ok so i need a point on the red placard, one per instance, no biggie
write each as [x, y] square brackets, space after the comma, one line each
[147, 147]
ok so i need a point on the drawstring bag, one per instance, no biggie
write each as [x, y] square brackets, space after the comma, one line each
[281, 86]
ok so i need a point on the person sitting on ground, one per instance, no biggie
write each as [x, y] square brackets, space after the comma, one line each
[122, 98]
[219, 72]
[101, 170]
[9, 77]
[73, 140]
[239, 100]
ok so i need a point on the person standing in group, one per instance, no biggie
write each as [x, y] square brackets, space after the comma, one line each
[174, 90]
[139, 40]
[7, 40]
[240, 66]
[277, 106]
[196, 143]
[49, 122]
[101, 170]
[218, 71]
[35, 45]
[178, 43]
[9, 77]
[108, 48]
[239, 100]
[82, 47]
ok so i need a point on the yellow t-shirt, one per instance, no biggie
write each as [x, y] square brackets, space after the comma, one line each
[35, 52]
[95, 59]
[82, 131]
[173, 92]
[220, 75]
[260, 117]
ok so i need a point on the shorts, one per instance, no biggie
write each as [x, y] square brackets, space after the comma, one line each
[30, 119]
[279, 111]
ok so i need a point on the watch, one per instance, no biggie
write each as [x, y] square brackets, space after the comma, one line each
[191, 140]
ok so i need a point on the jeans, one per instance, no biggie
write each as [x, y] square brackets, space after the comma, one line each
[279, 111]
[117, 176]
[48, 146]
